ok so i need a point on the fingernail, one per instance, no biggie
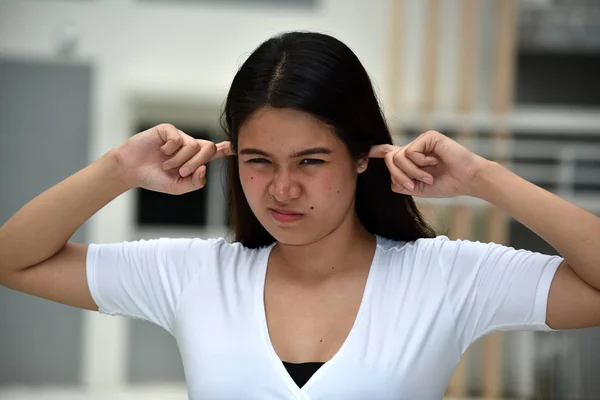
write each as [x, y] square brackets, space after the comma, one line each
[166, 166]
[428, 180]
[184, 171]
[409, 185]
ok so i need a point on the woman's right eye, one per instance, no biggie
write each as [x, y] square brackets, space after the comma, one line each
[258, 161]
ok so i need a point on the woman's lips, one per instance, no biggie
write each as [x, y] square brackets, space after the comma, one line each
[285, 216]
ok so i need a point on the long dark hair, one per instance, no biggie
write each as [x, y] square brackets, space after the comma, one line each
[320, 75]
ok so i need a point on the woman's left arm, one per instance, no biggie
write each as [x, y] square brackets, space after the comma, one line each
[434, 165]
[574, 299]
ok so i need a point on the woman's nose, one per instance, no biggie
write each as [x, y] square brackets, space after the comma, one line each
[283, 187]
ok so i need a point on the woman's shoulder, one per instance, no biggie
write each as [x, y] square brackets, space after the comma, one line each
[414, 262]
[219, 242]
[183, 249]
[392, 245]
[226, 251]
[439, 245]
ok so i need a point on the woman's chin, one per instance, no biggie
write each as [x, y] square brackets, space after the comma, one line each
[293, 237]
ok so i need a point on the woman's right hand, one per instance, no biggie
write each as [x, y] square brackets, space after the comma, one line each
[164, 159]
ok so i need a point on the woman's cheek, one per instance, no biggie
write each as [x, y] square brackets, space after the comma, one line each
[338, 191]
[251, 182]
[332, 186]
[245, 179]
[246, 174]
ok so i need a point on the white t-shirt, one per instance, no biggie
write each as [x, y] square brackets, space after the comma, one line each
[424, 303]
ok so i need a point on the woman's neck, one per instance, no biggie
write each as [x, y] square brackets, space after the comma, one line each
[347, 247]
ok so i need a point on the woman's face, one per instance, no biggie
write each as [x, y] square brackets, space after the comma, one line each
[298, 177]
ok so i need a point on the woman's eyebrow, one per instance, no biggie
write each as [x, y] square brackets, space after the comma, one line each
[307, 152]
[254, 152]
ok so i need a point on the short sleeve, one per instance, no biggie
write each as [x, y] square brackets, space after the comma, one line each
[145, 279]
[492, 287]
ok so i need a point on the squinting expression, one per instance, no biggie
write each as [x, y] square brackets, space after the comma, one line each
[298, 177]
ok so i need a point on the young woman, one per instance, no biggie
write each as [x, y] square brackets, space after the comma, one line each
[334, 287]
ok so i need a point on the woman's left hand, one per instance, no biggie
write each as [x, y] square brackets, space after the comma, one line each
[432, 165]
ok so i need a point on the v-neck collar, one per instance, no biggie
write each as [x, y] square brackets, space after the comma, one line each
[276, 362]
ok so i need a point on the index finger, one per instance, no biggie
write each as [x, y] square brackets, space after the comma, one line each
[224, 149]
[380, 150]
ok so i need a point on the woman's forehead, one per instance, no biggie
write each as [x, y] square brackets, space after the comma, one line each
[285, 128]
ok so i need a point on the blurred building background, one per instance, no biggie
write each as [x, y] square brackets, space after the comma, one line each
[515, 81]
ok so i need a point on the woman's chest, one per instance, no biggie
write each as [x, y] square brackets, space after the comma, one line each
[310, 324]
[389, 352]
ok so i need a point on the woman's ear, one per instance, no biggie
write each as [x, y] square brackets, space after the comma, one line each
[362, 164]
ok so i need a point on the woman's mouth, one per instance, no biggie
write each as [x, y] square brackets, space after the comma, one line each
[285, 216]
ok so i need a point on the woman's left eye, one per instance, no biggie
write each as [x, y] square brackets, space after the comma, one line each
[311, 161]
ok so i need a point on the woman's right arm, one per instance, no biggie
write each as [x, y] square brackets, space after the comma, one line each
[35, 255]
